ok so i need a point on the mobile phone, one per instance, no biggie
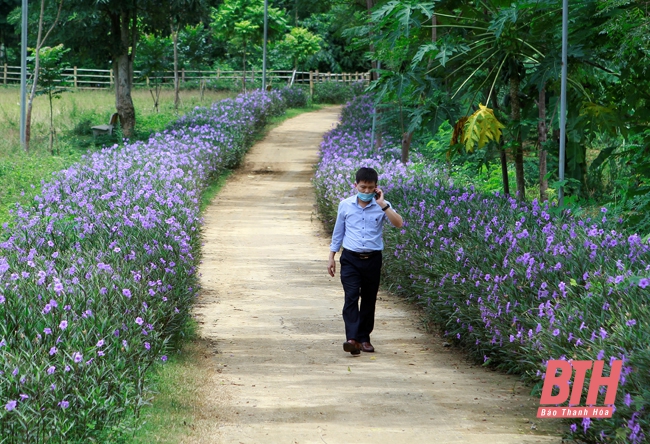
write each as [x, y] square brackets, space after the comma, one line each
[377, 195]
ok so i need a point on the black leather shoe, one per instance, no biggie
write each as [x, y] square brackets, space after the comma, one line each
[352, 346]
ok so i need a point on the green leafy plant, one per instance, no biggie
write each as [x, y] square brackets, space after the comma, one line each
[52, 81]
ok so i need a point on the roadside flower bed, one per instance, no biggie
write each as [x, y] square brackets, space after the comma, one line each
[100, 273]
[515, 284]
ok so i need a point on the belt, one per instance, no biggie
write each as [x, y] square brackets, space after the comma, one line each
[366, 255]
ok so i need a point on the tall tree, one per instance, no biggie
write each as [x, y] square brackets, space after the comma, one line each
[108, 31]
[240, 23]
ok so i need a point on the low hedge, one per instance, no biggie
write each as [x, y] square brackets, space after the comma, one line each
[100, 272]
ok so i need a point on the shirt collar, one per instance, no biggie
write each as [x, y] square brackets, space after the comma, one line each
[356, 202]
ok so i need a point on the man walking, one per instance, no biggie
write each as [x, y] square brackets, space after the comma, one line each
[358, 228]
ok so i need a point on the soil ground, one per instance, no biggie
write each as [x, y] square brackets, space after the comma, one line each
[272, 332]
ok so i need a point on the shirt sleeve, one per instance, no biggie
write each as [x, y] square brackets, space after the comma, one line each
[386, 219]
[339, 230]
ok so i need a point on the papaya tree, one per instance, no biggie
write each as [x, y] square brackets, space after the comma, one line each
[486, 53]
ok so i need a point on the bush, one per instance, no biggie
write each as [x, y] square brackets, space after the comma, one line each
[294, 96]
[99, 274]
[337, 92]
[516, 284]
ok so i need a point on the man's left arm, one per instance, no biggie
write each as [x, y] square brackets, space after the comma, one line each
[391, 214]
[394, 217]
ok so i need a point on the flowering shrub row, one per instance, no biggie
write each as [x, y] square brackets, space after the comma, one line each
[516, 284]
[100, 272]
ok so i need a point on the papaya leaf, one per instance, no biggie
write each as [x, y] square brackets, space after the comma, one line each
[480, 128]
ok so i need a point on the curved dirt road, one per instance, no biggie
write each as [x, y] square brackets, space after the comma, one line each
[272, 317]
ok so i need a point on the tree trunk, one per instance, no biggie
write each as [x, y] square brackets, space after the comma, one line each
[504, 161]
[517, 150]
[124, 31]
[406, 145]
[504, 170]
[176, 82]
[541, 137]
[434, 37]
[243, 77]
[373, 63]
[123, 100]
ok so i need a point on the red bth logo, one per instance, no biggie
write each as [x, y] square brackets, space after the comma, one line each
[573, 392]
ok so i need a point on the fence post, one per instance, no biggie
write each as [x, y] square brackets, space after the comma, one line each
[75, 76]
[317, 76]
[329, 76]
[183, 75]
[110, 77]
[5, 75]
[311, 84]
[356, 76]
[218, 73]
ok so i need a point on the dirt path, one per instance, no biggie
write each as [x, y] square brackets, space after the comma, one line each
[272, 316]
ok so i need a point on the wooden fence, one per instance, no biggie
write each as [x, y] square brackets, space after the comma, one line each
[104, 78]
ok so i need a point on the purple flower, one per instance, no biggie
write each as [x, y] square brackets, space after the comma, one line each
[163, 358]
[53, 351]
[600, 356]
[139, 320]
[147, 345]
[64, 404]
[78, 357]
[63, 325]
[631, 322]
[10, 405]
[644, 282]
[126, 292]
[51, 370]
[58, 286]
[556, 332]
[627, 399]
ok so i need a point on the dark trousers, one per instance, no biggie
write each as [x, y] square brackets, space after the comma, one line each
[360, 279]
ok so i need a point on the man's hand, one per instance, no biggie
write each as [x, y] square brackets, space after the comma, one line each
[380, 199]
[331, 265]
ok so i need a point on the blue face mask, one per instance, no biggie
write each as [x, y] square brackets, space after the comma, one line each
[366, 197]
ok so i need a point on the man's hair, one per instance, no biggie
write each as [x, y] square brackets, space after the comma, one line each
[366, 174]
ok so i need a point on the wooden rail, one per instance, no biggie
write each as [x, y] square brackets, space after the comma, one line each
[104, 78]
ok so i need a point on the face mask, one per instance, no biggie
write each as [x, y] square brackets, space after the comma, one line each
[366, 197]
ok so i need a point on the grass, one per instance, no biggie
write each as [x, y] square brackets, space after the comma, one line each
[74, 115]
[177, 403]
